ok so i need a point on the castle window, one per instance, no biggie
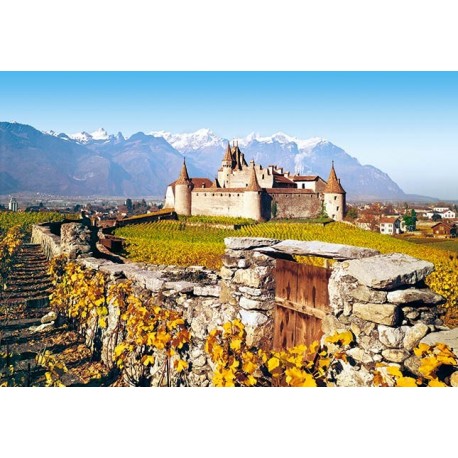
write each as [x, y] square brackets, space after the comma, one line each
[337, 208]
[213, 195]
[262, 177]
[229, 195]
[221, 195]
[197, 193]
[303, 185]
[335, 197]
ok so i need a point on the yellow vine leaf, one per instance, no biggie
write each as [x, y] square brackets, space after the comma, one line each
[436, 383]
[406, 382]
[148, 360]
[421, 349]
[236, 344]
[342, 338]
[181, 365]
[272, 364]
[395, 371]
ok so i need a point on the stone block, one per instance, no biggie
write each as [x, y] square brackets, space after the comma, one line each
[210, 290]
[422, 296]
[414, 335]
[247, 243]
[395, 355]
[323, 249]
[377, 313]
[388, 271]
[449, 338]
[364, 294]
[391, 337]
[252, 318]
[251, 277]
[251, 304]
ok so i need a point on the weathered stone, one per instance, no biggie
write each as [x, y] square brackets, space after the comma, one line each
[412, 363]
[359, 326]
[414, 335]
[388, 271]
[339, 286]
[226, 273]
[227, 294]
[454, 379]
[92, 263]
[210, 290]
[260, 259]
[449, 338]
[242, 264]
[251, 291]
[352, 376]
[251, 304]
[330, 325]
[391, 337]
[180, 286]
[395, 355]
[50, 316]
[364, 294]
[423, 296]
[323, 249]
[358, 354]
[252, 318]
[371, 343]
[42, 327]
[378, 313]
[251, 277]
[247, 243]
[230, 261]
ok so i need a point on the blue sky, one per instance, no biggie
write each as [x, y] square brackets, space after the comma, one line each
[404, 123]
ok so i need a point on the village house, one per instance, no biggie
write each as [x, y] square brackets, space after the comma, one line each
[248, 190]
[444, 230]
[391, 226]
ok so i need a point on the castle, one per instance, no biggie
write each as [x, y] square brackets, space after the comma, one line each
[251, 191]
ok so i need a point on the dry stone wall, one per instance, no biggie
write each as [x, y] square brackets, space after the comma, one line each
[381, 299]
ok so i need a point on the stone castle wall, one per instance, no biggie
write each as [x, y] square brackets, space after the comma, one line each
[296, 205]
[381, 299]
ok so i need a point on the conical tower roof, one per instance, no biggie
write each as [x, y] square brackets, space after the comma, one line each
[333, 185]
[253, 184]
[228, 154]
[184, 177]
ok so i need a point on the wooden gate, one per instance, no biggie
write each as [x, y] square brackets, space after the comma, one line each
[302, 301]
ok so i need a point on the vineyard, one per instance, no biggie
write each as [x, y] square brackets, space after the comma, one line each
[26, 220]
[174, 242]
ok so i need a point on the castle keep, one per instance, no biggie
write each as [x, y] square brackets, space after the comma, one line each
[248, 190]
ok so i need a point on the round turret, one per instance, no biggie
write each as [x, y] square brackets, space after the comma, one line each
[334, 197]
[183, 188]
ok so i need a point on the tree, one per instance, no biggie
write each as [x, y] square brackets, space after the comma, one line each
[129, 205]
[410, 220]
[436, 217]
[352, 213]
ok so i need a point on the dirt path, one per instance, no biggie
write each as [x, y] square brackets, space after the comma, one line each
[22, 306]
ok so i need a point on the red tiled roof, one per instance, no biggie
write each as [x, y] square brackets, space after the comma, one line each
[305, 177]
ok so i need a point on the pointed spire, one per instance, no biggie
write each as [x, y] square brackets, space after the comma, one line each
[333, 185]
[253, 184]
[184, 177]
[228, 154]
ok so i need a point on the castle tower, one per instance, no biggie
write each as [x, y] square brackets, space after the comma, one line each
[252, 197]
[183, 188]
[226, 167]
[334, 197]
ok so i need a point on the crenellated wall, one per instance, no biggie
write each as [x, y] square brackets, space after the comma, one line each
[381, 299]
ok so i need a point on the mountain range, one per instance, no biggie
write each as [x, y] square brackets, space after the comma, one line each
[99, 163]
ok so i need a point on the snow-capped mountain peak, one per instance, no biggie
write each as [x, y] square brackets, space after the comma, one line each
[191, 141]
[100, 134]
[81, 137]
